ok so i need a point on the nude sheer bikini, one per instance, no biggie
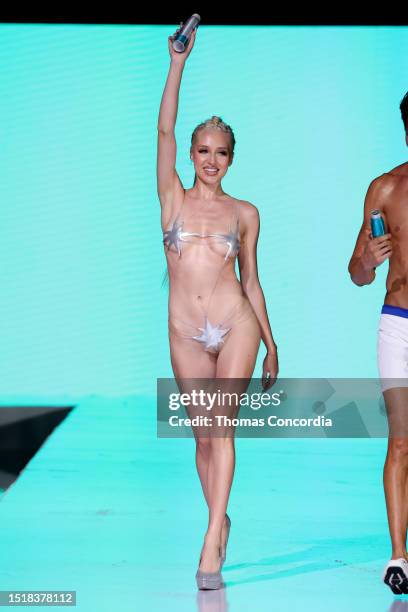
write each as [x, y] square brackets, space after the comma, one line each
[212, 334]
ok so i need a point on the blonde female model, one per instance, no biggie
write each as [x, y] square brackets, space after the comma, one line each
[216, 322]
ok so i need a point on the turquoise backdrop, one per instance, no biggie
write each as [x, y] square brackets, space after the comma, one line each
[316, 118]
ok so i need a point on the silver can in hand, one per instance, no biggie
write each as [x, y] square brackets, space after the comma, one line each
[181, 40]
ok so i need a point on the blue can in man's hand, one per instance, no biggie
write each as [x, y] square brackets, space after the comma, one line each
[377, 224]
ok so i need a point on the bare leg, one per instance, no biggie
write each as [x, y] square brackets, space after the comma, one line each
[396, 470]
[395, 481]
[202, 461]
[189, 360]
[406, 503]
[203, 448]
[220, 474]
[236, 360]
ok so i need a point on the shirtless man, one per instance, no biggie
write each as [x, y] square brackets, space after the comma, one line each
[389, 194]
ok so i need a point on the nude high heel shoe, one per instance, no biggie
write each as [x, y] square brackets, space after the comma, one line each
[209, 580]
[224, 548]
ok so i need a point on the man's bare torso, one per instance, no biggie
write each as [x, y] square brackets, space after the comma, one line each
[393, 203]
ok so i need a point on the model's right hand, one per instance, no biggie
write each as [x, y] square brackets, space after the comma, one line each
[376, 250]
[180, 58]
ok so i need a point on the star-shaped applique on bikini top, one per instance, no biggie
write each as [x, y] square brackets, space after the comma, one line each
[174, 236]
[212, 335]
[232, 239]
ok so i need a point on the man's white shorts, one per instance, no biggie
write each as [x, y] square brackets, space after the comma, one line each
[392, 347]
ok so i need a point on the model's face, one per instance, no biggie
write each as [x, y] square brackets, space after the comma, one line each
[211, 155]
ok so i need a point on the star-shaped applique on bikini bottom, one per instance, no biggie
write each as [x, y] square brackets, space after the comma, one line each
[211, 336]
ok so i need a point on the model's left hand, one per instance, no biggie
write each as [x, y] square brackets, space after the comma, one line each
[270, 364]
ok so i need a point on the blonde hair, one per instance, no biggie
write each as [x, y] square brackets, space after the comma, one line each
[218, 123]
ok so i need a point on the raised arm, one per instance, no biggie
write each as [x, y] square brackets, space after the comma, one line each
[168, 182]
[370, 252]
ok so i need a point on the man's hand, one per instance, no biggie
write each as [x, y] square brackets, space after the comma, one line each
[376, 250]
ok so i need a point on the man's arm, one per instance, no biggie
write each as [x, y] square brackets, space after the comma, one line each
[370, 252]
